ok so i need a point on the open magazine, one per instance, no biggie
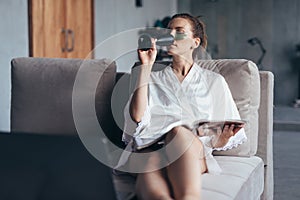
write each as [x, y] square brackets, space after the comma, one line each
[209, 127]
[215, 125]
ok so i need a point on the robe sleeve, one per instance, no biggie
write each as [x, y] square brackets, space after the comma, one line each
[224, 108]
[131, 127]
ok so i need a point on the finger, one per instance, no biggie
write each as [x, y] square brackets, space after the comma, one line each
[153, 43]
[225, 129]
[200, 131]
[231, 127]
[219, 130]
[236, 129]
[153, 40]
[230, 130]
[140, 51]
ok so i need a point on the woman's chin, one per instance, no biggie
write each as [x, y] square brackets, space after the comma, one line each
[174, 54]
[171, 52]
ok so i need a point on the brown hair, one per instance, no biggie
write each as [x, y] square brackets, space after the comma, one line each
[198, 27]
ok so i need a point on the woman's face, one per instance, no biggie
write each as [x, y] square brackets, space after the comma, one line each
[184, 43]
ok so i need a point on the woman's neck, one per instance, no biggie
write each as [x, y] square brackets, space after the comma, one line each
[182, 66]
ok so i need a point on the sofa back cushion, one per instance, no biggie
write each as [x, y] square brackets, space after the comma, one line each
[242, 77]
[42, 90]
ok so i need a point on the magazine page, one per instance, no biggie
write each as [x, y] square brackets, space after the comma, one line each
[215, 130]
[214, 125]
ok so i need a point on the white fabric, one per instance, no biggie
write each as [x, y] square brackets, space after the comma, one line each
[203, 94]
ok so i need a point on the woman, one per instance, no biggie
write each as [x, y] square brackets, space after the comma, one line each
[194, 93]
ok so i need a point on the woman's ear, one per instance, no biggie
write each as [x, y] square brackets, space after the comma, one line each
[197, 42]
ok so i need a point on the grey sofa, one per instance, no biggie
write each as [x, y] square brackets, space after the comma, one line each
[247, 169]
[42, 104]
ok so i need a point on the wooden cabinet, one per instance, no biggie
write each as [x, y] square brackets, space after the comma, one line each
[61, 28]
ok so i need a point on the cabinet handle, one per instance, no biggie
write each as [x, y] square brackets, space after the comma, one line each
[71, 32]
[65, 35]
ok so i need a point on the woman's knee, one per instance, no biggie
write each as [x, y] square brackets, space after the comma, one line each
[181, 141]
[179, 132]
[183, 135]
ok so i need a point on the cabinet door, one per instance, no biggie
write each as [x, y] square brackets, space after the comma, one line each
[61, 28]
[79, 20]
[47, 21]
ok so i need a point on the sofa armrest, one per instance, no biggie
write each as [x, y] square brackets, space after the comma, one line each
[265, 136]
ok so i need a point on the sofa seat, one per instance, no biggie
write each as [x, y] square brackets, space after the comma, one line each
[241, 178]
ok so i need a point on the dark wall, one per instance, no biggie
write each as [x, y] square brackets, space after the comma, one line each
[286, 34]
[230, 23]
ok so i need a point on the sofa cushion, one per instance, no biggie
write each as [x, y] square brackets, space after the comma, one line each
[42, 93]
[241, 178]
[242, 77]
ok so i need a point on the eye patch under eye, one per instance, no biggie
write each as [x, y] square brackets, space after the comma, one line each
[180, 36]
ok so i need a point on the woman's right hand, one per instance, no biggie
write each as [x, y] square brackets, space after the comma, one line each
[148, 57]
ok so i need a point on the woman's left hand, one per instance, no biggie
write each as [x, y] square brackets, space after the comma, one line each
[221, 138]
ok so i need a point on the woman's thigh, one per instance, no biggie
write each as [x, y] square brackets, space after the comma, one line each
[149, 159]
[183, 142]
[147, 183]
[153, 185]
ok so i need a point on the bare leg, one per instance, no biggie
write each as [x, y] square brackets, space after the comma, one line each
[153, 185]
[185, 173]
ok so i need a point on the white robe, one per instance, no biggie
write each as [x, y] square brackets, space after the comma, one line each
[202, 95]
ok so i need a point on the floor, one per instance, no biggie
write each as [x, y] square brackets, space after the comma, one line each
[286, 143]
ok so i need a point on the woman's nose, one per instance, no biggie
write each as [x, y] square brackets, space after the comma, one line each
[173, 32]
